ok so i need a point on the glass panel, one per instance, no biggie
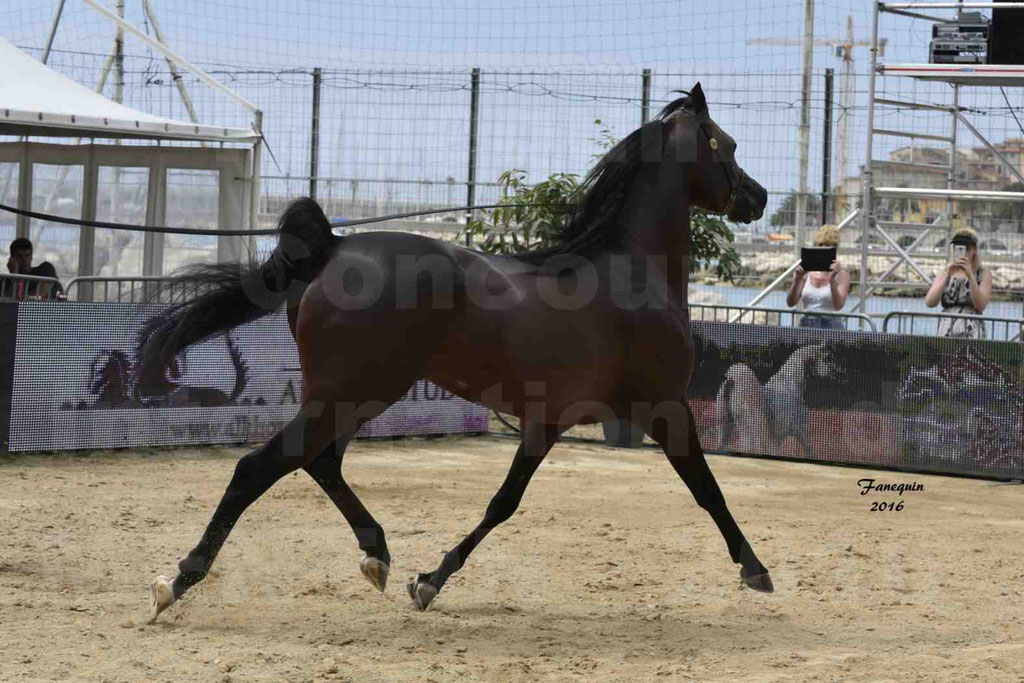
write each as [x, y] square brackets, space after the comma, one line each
[57, 190]
[8, 196]
[122, 198]
[192, 202]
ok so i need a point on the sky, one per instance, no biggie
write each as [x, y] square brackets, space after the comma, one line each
[395, 97]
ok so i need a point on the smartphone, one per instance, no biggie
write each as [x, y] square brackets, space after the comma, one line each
[959, 251]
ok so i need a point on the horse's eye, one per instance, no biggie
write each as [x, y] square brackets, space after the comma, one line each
[714, 143]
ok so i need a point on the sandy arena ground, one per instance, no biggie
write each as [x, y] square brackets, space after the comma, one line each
[609, 572]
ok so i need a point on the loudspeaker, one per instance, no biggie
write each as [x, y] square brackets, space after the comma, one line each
[1006, 38]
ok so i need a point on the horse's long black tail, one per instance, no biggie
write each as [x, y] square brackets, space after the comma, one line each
[230, 294]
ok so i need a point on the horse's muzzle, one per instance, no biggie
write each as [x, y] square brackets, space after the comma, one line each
[747, 202]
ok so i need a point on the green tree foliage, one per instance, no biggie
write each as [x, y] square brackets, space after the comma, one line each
[530, 216]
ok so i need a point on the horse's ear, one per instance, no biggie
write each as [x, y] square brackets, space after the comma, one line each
[697, 95]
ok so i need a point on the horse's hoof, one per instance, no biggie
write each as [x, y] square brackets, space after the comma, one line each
[161, 596]
[422, 593]
[375, 571]
[759, 582]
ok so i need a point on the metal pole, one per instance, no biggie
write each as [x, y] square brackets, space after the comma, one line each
[805, 123]
[983, 140]
[119, 56]
[175, 73]
[170, 54]
[951, 182]
[53, 31]
[87, 235]
[314, 141]
[826, 143]
[645, 96]
[254, 198]
[474, 119]
[867, 210]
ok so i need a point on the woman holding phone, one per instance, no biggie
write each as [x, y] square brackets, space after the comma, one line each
[964, 287]
[821, 291]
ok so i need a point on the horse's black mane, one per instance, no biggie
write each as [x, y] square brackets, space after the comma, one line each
[590, 220]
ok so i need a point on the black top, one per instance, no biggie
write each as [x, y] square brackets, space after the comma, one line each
[957, 295]
[15, 288]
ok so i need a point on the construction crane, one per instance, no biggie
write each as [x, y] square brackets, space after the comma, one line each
[844, 51]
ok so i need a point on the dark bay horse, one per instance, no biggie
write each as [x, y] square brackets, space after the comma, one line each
[593, 327]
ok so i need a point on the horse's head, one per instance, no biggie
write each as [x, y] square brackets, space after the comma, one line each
[715, 182]
[823, 362]
[109, 370]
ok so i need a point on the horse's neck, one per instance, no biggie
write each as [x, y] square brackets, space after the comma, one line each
[657, 234]
[113, 389]
[794, 370]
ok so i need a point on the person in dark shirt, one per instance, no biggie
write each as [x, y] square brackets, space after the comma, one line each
[20, 263]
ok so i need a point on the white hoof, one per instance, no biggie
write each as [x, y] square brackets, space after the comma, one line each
[375, 571]
[161, 596]
[422, 593]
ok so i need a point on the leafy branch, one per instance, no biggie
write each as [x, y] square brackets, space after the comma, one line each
[530, 217]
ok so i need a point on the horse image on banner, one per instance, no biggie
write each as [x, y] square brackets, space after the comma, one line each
[764, 417]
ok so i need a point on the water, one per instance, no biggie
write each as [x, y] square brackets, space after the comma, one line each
[877, 308]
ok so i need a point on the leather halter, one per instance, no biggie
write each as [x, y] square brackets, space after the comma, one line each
[730, 171]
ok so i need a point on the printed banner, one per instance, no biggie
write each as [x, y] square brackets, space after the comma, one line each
[921, 403]
[73, 386]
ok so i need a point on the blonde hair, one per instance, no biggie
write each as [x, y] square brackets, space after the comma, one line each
[828, 236]
[973, 234]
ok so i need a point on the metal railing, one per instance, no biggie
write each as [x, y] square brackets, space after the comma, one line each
[758, 315]
[137, 288]
[904, 322]
[10, 291]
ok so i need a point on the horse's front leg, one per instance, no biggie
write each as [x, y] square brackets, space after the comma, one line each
[537, 440]
[673, 427]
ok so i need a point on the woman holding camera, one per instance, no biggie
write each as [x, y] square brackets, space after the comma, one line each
[821, 291]
[964, 287]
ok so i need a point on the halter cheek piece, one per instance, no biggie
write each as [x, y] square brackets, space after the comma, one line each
[734, 175]
[734, 191]
[730, 170]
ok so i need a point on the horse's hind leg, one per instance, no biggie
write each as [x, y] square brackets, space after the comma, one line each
[256, 472]
[326, 471]
[677, 436]
[536, 442]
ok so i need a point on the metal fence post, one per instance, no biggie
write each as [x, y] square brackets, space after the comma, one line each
[826, 142]
[645, 96]
[474, 120]
[314, 139]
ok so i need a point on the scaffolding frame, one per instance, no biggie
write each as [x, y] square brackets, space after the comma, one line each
[957, 76]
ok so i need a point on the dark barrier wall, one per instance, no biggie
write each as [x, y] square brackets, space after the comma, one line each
[67, 372]
[921, 403]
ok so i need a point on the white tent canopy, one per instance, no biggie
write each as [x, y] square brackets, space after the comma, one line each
[36, 100]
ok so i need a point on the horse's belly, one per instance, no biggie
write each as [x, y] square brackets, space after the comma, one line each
[512, 373]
